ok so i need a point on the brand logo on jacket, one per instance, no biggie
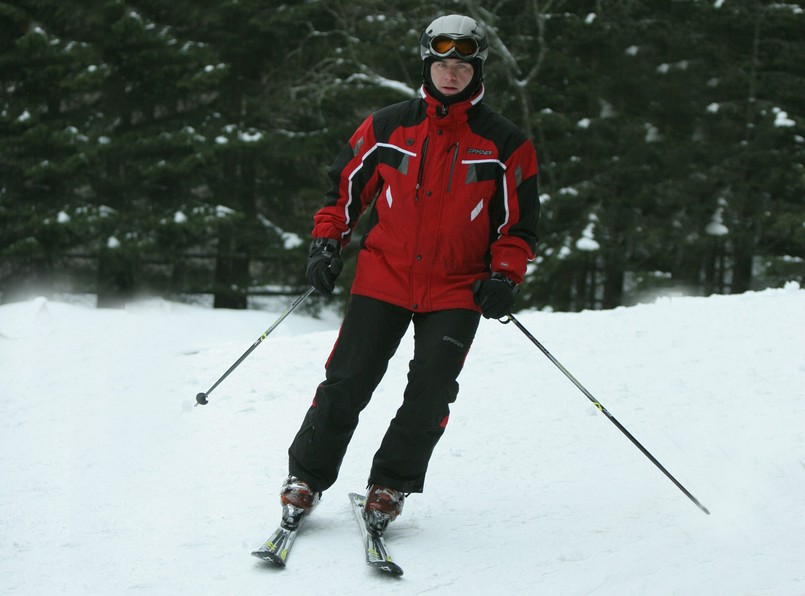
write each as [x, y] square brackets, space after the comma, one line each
[479, 151]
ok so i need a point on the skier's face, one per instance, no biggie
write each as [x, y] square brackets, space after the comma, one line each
[451, 76]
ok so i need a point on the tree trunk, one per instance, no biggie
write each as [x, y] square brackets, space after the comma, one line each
[231, 280]
[614, 278]
[742, 270]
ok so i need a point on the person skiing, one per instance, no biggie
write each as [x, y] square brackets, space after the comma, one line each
[453, 187]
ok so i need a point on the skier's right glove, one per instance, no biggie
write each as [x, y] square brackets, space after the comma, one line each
[324, 264]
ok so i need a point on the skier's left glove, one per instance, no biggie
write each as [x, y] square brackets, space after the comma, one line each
[495, 296]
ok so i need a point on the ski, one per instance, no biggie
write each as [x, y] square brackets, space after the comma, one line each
[377, 554]
[277, 548]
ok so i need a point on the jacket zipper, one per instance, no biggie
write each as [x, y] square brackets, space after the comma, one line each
[452, 167]
[418, 219]
[421, 167]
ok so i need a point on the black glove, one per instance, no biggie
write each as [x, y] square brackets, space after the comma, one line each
[324, 264]
[495, 296]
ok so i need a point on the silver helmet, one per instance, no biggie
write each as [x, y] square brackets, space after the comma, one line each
[454, 36]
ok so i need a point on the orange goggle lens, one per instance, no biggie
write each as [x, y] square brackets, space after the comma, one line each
[465, 47]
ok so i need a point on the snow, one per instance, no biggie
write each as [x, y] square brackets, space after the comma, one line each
[716, 225]
[781, 118]
[223, 211]
[114, 483]
[381, 81]
[652, 133]
[250, 136]
[587, 242]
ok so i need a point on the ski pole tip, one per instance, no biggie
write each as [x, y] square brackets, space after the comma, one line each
[700, 506]
[201, 398]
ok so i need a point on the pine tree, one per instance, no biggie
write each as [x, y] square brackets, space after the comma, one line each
[183, 146]
[47, 85]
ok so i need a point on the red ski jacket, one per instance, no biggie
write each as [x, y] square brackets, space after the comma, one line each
[455, 198]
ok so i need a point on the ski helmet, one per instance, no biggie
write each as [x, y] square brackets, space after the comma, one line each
[454, 36]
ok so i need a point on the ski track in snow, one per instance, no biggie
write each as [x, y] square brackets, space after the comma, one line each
[112, 482]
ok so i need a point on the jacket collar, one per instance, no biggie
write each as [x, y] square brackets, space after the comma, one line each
[456, 111]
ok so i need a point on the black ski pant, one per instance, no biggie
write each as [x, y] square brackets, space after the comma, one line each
[369, 336]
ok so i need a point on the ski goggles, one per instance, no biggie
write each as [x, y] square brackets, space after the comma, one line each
[443, 46]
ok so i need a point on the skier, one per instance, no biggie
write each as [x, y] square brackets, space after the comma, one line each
[454, 188]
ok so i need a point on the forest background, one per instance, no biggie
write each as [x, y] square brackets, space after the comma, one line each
[180, 148]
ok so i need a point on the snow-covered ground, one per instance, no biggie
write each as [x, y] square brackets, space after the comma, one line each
[111, 482]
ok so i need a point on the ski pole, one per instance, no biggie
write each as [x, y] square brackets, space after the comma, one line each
[597, 404]
[202, 398]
